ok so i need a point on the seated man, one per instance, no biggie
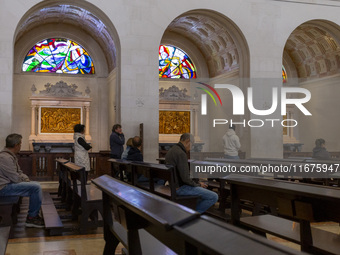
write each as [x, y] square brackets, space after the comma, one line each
[135, 153]
[13, 182]
[177, 157]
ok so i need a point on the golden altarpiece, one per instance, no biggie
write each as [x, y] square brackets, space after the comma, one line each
[55, 111]
[177, 115]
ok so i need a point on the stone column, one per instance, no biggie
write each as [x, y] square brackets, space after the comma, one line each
[195, 121]
[87, 120]
[33, 119]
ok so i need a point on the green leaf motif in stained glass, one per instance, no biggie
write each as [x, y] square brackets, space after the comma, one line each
[58, 56]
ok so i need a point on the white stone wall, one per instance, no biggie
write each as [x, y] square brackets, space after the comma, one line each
[140, 25]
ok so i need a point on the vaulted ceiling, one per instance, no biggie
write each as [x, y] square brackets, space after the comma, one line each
[314, 51]
[212, 38]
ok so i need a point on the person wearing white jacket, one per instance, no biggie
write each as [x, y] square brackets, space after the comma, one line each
[81, 147]
[231, 144]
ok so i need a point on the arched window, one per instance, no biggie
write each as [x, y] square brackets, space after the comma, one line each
[175, 63]
[57, 55]
[284, 75]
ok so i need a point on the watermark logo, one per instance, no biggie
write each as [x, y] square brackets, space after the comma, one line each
[204, 97]
[238, 99]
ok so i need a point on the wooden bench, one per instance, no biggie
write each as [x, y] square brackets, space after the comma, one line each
[156, 172]
[53, 223]
[299, 202]
[86, 197]
[121, 168]
[9, 208]
[62, 172]
[152, 171]
[148, 224]
[4, 235]
[323, 241]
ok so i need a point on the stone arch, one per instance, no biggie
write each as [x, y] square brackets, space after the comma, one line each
[312, 54]
[220, 52]
[88, 25]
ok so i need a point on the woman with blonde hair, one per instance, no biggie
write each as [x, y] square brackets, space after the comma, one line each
[128, 147]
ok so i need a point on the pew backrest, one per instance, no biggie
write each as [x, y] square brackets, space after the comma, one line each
[182, 230]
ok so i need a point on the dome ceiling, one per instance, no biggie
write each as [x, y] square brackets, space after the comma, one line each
[213, 40]
[75, 16]
[314, 51]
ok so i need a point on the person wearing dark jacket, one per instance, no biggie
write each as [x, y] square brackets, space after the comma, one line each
[177, 156]
[117, 141]
[320, 150]
[135, 153]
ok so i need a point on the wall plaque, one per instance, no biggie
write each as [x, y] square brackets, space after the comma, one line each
[174, 122]
[59, 120]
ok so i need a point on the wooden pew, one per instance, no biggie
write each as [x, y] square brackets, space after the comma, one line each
[120, 167]
[53, 223]
[296, 165]
[295, 202]
[86, 197]
[62, 172]
[160, 172]
[4, 235]
[148, 224]
[9, 208]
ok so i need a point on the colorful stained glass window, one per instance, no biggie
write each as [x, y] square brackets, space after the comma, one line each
[58, 56]
[175, 63]
[284, 75]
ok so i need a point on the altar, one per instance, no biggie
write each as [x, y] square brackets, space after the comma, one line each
[178, 114]
[54, 112]
[53, 147]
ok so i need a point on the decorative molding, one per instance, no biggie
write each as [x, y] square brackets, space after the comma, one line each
[173, 94]
[140, 102]
[174, 122]
[60, 89]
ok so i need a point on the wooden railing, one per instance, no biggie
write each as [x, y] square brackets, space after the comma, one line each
[42, 166]
[293, 154]
[204, 155]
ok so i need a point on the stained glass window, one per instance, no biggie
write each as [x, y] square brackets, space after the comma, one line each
[58, 56]
[175, 63]
[284, 75]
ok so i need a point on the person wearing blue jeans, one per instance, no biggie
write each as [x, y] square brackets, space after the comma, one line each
[13, 182]
[177, 157]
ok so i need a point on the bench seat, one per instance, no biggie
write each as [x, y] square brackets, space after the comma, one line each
[53, 223]
[148, 224]
[9, 208]
[92, 192]
[290, 230]
[86, 198]
[4, 235]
